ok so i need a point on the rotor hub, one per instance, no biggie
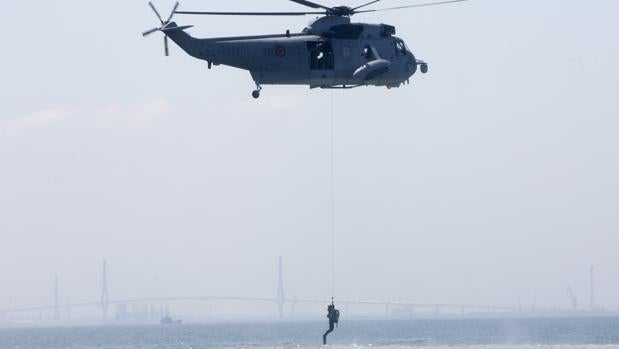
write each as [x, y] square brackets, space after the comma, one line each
[342, 11]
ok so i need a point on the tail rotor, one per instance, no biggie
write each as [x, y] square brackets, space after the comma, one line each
[147, 33]
[150, 3]
[163, 26]
[173, 11]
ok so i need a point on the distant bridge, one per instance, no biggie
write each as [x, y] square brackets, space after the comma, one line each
[280, 300]
[266, 300]
[436, 308]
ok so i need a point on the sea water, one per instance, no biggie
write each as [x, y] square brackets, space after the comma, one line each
[547, 333]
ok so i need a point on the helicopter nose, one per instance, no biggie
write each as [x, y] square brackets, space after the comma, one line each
[412, 68]
[412, 64]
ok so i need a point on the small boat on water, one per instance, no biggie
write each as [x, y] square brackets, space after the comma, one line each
[168, 320]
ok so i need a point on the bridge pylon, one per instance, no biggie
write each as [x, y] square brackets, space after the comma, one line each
[281, 297]
[56, 299]
[105, 298]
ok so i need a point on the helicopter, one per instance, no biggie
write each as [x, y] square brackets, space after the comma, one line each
[330, 53]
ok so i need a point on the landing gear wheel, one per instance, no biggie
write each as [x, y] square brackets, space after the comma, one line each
[424, 68]
[256, 93]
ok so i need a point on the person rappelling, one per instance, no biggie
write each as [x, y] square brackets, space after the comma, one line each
[334, 318]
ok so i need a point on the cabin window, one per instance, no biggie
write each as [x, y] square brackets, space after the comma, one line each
[321, 55]
[346, 52]
[366, 53]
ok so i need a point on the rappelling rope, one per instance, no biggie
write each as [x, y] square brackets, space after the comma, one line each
[332, 192]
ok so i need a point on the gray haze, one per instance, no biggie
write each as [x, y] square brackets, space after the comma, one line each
[493, 178]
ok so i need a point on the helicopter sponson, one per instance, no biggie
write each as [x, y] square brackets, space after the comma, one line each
[331, 52]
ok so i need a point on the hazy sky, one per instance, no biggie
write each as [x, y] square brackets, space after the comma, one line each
[494, 177]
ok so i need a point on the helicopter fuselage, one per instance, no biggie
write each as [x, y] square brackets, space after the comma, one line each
[331, 52]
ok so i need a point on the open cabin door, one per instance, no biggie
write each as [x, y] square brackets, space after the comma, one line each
[321, 60]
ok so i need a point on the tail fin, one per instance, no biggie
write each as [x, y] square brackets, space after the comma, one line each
[170, 29]
[181, 38]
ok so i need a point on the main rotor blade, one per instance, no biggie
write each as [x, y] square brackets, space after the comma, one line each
[165, 44]
[173, 11]
[249, 13]
[368, 4]
[311, 4]
[411, 6]
[148, 32]
[155, 10]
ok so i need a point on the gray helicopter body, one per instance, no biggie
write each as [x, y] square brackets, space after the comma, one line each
[332, 52]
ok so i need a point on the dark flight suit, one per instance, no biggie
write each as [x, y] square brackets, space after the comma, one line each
[331, 316]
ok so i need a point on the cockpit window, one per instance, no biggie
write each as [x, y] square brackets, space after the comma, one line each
[400, 46]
